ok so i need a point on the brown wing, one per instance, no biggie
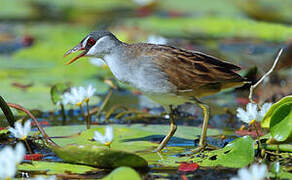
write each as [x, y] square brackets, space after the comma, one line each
[194, 72]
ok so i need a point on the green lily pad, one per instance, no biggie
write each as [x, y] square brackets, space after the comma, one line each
[281, 122]
[132, 139]
[99, 156]
[239, 153]
[213, 27]
[265, 123]
[123, 173]
[55, 168]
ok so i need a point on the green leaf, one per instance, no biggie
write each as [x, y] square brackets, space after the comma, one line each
[281, 122]
[239, 153]
[133, 139]
[57, 91]
[99, 156]
[55, 168]
[123, 173]
[267, 118]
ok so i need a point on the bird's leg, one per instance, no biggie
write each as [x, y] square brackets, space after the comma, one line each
[171, 132]
[203, 136]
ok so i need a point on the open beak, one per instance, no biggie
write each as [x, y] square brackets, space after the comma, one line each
[75, 49]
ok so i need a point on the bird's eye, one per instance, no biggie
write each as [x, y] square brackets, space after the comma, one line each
[90, 42]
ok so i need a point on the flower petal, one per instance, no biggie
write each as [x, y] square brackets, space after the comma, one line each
[26, 127]
[252, 110]
[109, 135]
[99, 137]
[243, 115]
[264, 110]
[19, 153]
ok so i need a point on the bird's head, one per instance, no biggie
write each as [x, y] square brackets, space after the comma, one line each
[97, 43]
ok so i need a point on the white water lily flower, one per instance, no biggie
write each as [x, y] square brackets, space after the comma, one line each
[255, 172]
[9, 158]
[20, 131]
[248, 115]
[252, 114]
[77, 95]
[7, 168]
[105, 139]
[156, 39]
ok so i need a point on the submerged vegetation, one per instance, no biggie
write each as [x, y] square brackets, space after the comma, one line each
[76, 122]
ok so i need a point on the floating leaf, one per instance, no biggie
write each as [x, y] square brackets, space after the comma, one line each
[138, 139]
[99, 156]
[281, 122]
[267, 118]
[123, 173]
[55, 168]
[239, 153]
[212, 27]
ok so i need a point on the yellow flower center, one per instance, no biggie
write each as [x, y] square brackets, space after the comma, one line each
[23, 138]
[252, 122]
[108, 143]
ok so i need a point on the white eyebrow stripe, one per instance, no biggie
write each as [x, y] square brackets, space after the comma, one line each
[93, 49]
[85, 42]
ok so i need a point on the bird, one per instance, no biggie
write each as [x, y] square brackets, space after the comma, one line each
[168, 75]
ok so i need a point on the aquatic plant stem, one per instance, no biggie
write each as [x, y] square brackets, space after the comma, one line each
[105, 101]
[29, 149]
[63, 114]
[264, 76]
[88, 114]
[258, 136]
[82, 112]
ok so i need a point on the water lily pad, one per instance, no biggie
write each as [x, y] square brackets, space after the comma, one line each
[123, 173]
[281, 122]
[237, 154]
[213, 27]
[55, 168]
[267, 118]
[99, 156]
[138, 139]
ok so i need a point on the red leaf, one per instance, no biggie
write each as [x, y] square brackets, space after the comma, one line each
[35, 157]
[187, 167]
[252, 133]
